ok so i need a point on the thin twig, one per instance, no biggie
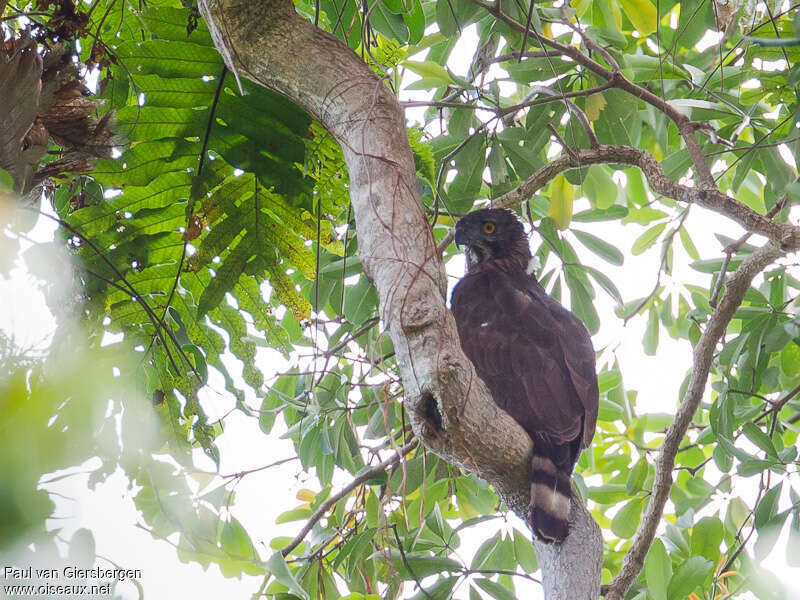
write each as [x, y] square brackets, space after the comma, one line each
[325, 506]
[733, 248]
[370, 323]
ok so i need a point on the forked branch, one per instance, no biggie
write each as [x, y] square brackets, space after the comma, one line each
[735, 289]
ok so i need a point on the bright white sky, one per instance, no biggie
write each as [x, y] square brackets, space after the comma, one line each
[109, 512]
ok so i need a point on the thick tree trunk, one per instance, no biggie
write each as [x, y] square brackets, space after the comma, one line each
[449, 407]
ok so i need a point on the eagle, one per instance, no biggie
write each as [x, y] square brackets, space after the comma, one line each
[534, 355]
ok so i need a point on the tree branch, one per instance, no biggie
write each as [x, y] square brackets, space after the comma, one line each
[783, 235]
[325, 506]
[735, 290]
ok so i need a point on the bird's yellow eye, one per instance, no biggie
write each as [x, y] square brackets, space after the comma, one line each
[488, 227]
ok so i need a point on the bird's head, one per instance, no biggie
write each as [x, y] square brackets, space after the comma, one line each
[492, 234]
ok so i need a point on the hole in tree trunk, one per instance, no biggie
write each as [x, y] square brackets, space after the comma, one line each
[431, 408]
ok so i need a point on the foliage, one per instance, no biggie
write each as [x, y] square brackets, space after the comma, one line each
[223, 226]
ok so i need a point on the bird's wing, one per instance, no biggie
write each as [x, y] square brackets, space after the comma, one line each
[534, 355]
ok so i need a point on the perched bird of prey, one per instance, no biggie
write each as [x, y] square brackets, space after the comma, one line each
[535, 356]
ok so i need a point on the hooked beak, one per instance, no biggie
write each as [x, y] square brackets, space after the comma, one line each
[461, 238]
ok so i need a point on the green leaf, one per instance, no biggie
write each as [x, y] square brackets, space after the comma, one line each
[689, 576]
[767, 508]
[442, 589]
[701, 109]
[582, 304]
[388, 23]
[642, 14]
[608, 380]
[707, 537]
[626, 521]
[688, 245]
[415, 21]
[608, 493]
[636, 476]
[495, 590]
[658, 571]
[696, 16]
[470, 163]
[600, 188]
[446, 17]
[759, 438]
[484, 551]
[198, 360]
[360, 301]
[650, 341]
[619, 118]
[790, 359]
[606, 283]
[523, 550]
[277, 566]
[610, 214]
[298, 514]
[648, 238]
[644, 216]
[603, 249]
[421, 564]
[430, 70]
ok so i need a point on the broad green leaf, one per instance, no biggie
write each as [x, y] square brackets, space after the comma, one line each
[609, 214]
[618, 122]
[759, 438]
[790, 359]
[643, 216]
[523, 550]
[607, 380]
[420, 564]
[603, 249]
[277, 566]
[430, 70]
[600, 188]
[688, 245]
[495, 590]
[767, 508]
[388, 23]
[642, 14]
[707, 537]
[648, 238]
[582, 304]
[636, 476]
[689, 575]
[298, 514]
[696, 16]
[658, 570]
[608, 493]
[626, 521]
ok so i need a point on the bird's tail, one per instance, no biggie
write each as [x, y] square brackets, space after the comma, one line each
[550, 493]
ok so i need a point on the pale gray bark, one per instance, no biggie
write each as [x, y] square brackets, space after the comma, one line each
[450, 409]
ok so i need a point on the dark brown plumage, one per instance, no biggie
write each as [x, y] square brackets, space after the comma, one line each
[535, 356]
